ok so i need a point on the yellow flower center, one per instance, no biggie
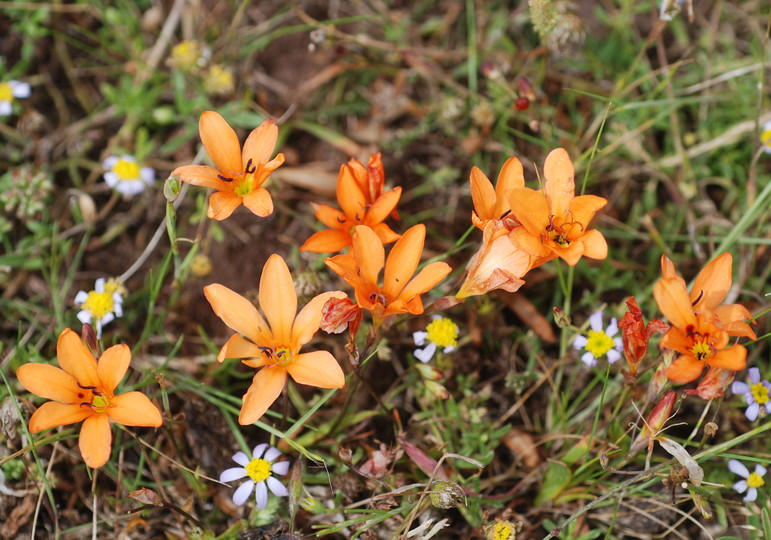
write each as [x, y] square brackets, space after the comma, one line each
[443, 332]
[598, 343]
[701, 349]
[258, 470]
[6, 93]
[765, 136]
[99, 304]
[100, 403]
[760, 393]
[94, 398]
[280, 356]
[245, 185]
[126, 170]
[503, 531]
[754, 480]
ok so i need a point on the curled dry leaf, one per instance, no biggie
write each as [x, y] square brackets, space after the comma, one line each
[522, 445]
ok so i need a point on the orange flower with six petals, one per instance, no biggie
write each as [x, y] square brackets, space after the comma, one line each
[700, 325]
[273, 343]
[400, 292]
[363, 202]
[84, 389]
[555, 221]
[238, 175]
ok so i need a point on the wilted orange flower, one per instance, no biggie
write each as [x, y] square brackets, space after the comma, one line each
[238, 175]
[554, 221]
[84, 389]
[399, 293]
[700, 326]
[497, 265]
[274, 345]
[492, 205]
[636, 335]
[713, 384]
[360, 195]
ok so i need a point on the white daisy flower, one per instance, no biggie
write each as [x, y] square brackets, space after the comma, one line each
[100, 306]
[440, 332]
[126, 176]
[9, 91]
[756, 393]
[259, 470]
[752, 481]
[599, 342]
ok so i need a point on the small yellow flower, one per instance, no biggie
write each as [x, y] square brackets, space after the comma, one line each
[101, 305]
[440, 332]
[219, 81]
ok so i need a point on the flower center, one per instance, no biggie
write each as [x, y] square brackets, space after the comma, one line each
[281, 356]
[258, 470]
[598, 343]
[503, 531]
[765, 136]
[126, 170]
[99, 304]
[246, 185]
[701, 349]
[760, 393]
[443, 332]
[754, 480]
[94, 398]
[6, 93]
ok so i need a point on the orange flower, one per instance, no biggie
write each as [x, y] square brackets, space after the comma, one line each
[274, 345]
[555, 221]
[84, 389]
[237, 176]
[497, 265]
[399, 293]
[363, 202]
[493, 205]
[700, 326]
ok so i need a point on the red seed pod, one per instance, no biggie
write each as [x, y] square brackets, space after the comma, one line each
[522, 103]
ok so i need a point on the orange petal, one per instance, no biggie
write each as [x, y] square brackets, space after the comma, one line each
[674, 302]
[510, 177]
[264, 171]
[497, 265]
[238, 313]
[75, 359]
[278, 299]
[308, 320]
[529, 243]
[266, 387]
[331, 217]
[221, 143]
[676, 340]
[134, 409]
[369, 253]
[260, 143]
[427, 279]
[113, 365]
[350, 196]
[383, 206]
[595, 246]
[259, 202]
[222, 204]
[385, 233]
[238, 347]
[583, 208]
[482, 194]
[733, 358]
[201, 175]
[571, 254]
[668, 270]
[684, 370]
[52, 414]
[50, 382]
[403, 260]
[529, 207]
[559, 187]
[732, 317]
[712, 284]
[317, 368]
[327, 241]
[96, 440]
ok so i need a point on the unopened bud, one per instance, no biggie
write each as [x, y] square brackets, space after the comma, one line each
[710, 428]
[88, 336]
[171, 188]
[447, 495]
[655, 423]
[561, 318]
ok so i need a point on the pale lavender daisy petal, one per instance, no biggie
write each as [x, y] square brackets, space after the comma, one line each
[84, 317]
[754, 375]
[241, 458]
[112, 179]
[110, 162]
[261, 494]
[760, 469]
[595, 321]
[612, 328]
[580, 342]
[271, 454]
[737, 467]
[739, 387]
[424, 355]
[5, 108]
[276, 487]
[147, 174]
[613, 356]
[282, 467]
[752, 412]
[81, 297]
[752, 494]
[242, 493]
[99, 285]
[258, 450]
[20, 89]
[740, 486]
[236, 473]
[589, 359]
[419, 337]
